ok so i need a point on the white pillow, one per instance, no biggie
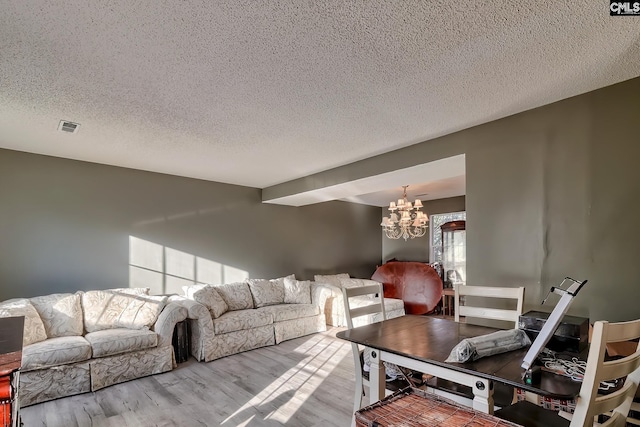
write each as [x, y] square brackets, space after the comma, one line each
[61, 314]
[108, 309]
[297, 291]
[191, 289]
[266, 292]
[141, 312]
[210, 298]
[332, 279]
[236, 295]
[280, 280]
[33, 327]
[134, 291]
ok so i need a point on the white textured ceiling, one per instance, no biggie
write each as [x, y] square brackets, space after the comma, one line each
[261, 92]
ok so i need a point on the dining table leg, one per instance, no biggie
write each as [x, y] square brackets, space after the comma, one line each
[377, 377]
[483, 396]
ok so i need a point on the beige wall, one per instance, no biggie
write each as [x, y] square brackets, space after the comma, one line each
[67, 225]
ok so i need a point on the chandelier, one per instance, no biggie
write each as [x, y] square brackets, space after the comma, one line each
[408, 222]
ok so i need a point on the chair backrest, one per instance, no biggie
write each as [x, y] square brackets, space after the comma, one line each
[589, 403]
[489, 313]
[372, 305]
[376, 306]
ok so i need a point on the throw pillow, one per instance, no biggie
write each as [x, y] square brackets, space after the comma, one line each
[61, 314]
[280, 280]
[141, 311]
[134, 291]
[333, 279]
[236, 295]
[111, 308]
[210, 298]
[191, 289]
[266, 292]
[33, 327]
[297, 291]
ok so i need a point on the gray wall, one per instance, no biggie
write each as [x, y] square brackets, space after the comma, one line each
[418, 249]
[67, 225]
[551, 192]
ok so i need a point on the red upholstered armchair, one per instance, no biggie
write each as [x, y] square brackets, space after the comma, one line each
[416, 283]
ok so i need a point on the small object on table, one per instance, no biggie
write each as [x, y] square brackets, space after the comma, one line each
[533, 375]
[470, 349]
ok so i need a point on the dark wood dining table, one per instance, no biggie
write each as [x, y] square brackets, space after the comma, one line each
[423, 343]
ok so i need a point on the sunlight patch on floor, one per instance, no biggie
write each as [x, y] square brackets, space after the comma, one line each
[297, 384]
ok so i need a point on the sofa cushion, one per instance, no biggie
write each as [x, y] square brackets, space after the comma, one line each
[115, 341]
[61, 314]
[210, 298]
[284, 312]
[236, 295]
[34, 330]
[266, 292]
[108, 309]
[133, 291]
[241, 319]
[297, 291]
[142, 312]
[54, 352]
[332, 279]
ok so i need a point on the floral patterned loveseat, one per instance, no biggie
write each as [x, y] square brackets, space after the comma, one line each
[81, 342]
[231, 318]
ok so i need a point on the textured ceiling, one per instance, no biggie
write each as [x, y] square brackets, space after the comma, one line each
[258, 93]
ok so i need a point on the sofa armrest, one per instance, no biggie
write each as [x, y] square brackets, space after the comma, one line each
[166, 322]
[201, 326]
[321, 293]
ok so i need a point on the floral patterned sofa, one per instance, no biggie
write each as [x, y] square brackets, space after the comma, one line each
[334, 302]
[231, 318]
[81, 342]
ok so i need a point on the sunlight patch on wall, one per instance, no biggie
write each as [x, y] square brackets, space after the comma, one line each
[166, 270]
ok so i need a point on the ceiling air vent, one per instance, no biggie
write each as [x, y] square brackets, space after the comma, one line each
[66, 126]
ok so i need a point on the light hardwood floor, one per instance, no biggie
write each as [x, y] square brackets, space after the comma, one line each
[303, 382]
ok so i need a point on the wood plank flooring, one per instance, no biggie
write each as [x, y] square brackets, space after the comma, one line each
[303, 382]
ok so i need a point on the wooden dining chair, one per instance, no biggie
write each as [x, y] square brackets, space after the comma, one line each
[375, 292]
[504, 395]
[475, 311]
[589, 403]
[354, 310]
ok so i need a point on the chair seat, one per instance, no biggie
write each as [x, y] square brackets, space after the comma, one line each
[528, 414]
